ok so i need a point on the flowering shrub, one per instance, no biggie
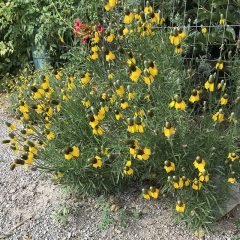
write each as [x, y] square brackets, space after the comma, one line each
[133, 112]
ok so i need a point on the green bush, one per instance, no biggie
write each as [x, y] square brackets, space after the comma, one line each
[132, 112]
[47, 24]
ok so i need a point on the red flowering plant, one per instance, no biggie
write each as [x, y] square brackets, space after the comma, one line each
[85, 30]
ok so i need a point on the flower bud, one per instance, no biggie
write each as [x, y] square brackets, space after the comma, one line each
[167, 163]
[198, 159]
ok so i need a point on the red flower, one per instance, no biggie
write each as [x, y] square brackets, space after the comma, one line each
[85, 39]
[78, 26]
[100, 27]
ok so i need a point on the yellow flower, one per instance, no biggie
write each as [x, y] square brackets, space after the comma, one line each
[118, 115]
[222, 20]
[148, 8]
[97, 162]
[145, 194]
[110, 75]
[153, 192]
[107, 7]
[175, 39]
[11, 126]
[110, 37]
[137, 15]
[152, 68]
[57, 175]
[204, 30]
[168, 130]
[181, 34]
[50, 135]
[178, 103]
[131, 59]
[101, 113]
[66, 97]
[26, 116]
[180, 207]
[86, 77]
[131, 95]
[133, 146]
[38, 108]
[143, 154]
[169, 166]
[124, 104]
[29, 131]
[104, 96]
[120, 91]
[146, 29]
[123, 32]
[194, 97]
[45, 82]
[32, 148]
[221, 86]
[219, 116]
[39, 93]
[131, 126]
[224, 99]
[23, 108]
[233, 156]
[139, 125]
[127, 169]
[98, 130]
[219, 65]
[110, 56]
[28, 158]
[196, 185]
[232, 180]
[86, 103]
[93, 55]
[128, 18]
[49, 111]
[71, 152]
[139, 113]
[94, 48]
[112, 3]
[178, 49]
[199, 163]
[148, 79]
[209, 84]
[154, 17]
[177, 182]
[203, 176]
[96, 37]
[105, 151]
[58, 74]
[13, 137]
[135, 73]
[112, 98]
[49, 92]
[186, 181]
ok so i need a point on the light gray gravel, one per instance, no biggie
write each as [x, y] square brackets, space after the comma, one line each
[28, 198]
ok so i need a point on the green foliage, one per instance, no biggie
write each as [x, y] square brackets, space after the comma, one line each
[62, 214]
[102, 123]
[113, 214]
[106, 218]
[46, 23]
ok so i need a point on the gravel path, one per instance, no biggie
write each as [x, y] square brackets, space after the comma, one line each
[28, 201]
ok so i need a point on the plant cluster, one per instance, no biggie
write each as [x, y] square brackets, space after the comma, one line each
[46, 24]
[133, 111]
